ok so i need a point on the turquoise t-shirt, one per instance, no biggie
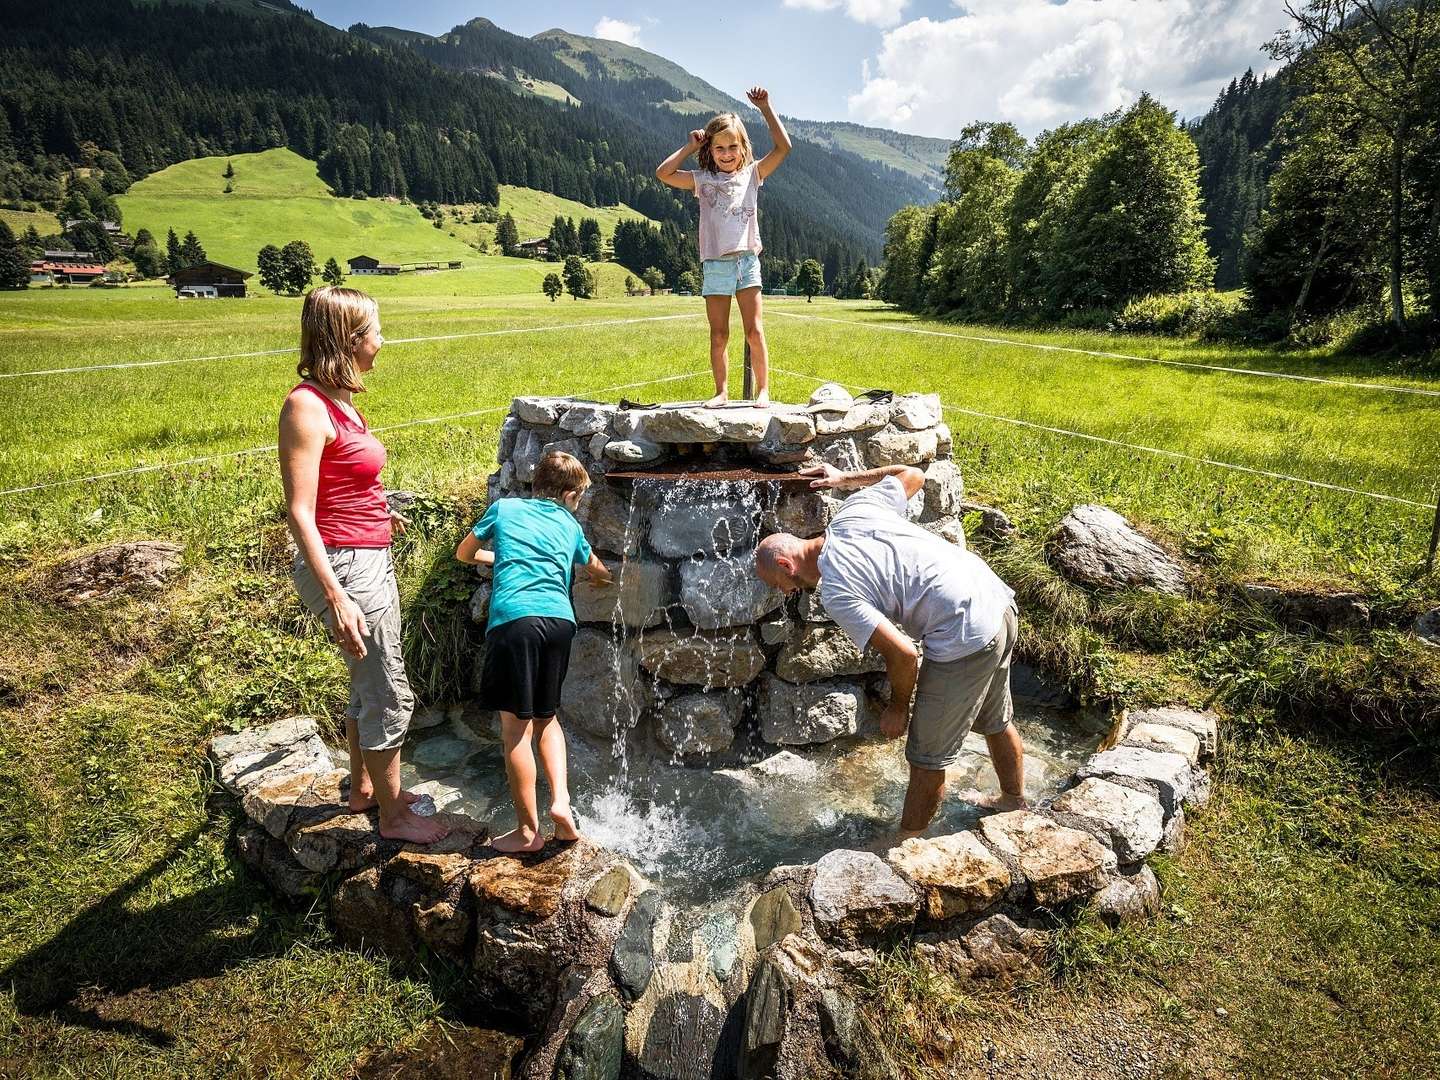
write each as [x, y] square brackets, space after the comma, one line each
[537, 543]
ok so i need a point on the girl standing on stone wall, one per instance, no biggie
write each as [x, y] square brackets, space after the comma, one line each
[727, 183]
[330, 463]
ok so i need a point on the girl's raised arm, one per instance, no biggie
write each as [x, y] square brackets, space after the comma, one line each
[760, 98]
[669, 171]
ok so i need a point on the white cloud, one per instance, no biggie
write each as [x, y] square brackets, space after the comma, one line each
[1038, 63]
[617, 30]
[873, 12]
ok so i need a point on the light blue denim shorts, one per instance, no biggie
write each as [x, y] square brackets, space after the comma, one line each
[728, 275]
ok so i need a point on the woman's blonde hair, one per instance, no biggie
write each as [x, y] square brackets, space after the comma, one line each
[727, 121]
[332, 321]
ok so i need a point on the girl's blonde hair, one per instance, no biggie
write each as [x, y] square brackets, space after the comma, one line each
[725, 122]
[332, 321]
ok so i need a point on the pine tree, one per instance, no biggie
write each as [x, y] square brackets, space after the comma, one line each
[507, 236]
[592, 242]
[333, 275]
[191, 253]
[14, 266]
[173, 259]
[229, 173]
[31, 242]
[577, 281]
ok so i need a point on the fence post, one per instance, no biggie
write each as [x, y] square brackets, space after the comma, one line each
[750, 395]
[1434, 536]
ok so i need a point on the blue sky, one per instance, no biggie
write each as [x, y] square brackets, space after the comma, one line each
[924, 66]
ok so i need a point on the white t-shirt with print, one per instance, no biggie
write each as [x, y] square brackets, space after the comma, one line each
[876, 564]
[729, 215]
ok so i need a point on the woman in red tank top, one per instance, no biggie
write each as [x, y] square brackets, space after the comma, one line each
[330, 464]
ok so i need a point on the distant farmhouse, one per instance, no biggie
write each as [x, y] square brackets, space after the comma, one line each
[208, 280]
[538, 248]
[66, 268]
[366, 264]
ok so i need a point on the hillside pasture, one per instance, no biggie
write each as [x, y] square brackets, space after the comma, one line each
[534, 212]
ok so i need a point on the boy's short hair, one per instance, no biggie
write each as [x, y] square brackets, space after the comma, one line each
[558, 474]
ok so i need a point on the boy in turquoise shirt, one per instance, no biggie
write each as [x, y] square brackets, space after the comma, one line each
[535, 544]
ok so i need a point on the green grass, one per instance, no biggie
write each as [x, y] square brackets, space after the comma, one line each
[135, 943]
[534, 212]
[46, 223]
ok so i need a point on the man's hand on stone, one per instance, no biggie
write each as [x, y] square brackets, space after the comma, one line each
[894, 720]
[822, 476]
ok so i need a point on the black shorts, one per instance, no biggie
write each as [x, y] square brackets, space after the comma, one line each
[525, 664]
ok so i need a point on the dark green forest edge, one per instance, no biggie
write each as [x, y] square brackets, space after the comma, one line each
[126, 90]
[1318, 189]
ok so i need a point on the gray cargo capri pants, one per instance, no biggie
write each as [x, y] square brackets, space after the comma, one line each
[954, 697]
[381, 702]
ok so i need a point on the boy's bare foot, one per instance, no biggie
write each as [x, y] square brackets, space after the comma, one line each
[517, 840]
[414, 829]
[1002, 801]
[565, 827]
[720, 400]
[366, 801]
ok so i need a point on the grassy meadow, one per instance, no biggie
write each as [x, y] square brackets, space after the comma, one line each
[534, 212]
[132, 941]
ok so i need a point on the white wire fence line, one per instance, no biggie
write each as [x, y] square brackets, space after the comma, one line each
[388, 341]
[1341, 383]
[1159, 451]
[272, 447]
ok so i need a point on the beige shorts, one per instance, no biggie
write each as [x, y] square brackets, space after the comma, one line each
[381, 702]
[955, 697]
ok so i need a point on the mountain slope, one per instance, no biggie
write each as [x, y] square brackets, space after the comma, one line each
[598, 57]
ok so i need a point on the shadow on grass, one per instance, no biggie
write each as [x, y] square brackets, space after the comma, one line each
[110, 949]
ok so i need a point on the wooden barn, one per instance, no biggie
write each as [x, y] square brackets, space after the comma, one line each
[209, 279]
[367, 264]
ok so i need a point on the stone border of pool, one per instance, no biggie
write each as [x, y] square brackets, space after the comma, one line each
[574, 941]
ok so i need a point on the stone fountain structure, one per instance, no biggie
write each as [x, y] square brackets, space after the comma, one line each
[691, 661]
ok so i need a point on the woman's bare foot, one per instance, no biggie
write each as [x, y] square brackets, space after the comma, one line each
[719, 401]
[366, 801]
[414, 829]
[518, 840]
[565, 827]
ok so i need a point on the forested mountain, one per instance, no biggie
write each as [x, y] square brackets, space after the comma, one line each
[389, 112]
[1238, 154]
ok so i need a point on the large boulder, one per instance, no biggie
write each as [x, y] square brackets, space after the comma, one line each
[1132, 820]
[724, 592]
[1097, 547]
[603, 690]
[823, 652]
[816, 712]
[1060, 864]
[956, 874]
[638, 596]
[856, 895]
[706, 659]
[131, 568]
[699, 723]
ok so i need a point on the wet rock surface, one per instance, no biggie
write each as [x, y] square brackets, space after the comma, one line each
[824, 652]
[597, 660]
[699, 723]
[1097, 547]
[721, 658]
[638, 596]
[792, 715]
[725, 592]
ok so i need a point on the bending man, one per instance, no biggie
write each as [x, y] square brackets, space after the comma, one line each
[879, 574]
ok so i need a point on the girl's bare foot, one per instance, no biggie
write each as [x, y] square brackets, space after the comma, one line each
[565, 827]
[518, 840]
[414, 829]
[762, 399]
[363, 801]
[720, 400]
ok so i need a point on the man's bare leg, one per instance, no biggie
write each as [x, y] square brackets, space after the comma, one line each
[397, 820]
[922, 799]
[717, 312]
[520, 771]
[362, 788]
[1007, 755]
[552, 760]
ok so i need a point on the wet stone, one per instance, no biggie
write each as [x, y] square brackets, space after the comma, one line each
[823, 652]
[441, 752]
[633, 961]
[705, 525]
[595, 1046]
[776, 629]
[772, 917]
[721, 658]
[816, 712]
[597, 661]
[608, 895]
[717, 593]
[639, 594]
[606, 517]
[699, 723]
[720, 937]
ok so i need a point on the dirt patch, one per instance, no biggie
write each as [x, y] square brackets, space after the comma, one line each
[446, 1052]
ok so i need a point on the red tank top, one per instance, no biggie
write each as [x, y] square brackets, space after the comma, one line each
[350, 507]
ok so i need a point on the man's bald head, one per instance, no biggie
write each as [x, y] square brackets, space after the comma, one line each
[787, 563]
